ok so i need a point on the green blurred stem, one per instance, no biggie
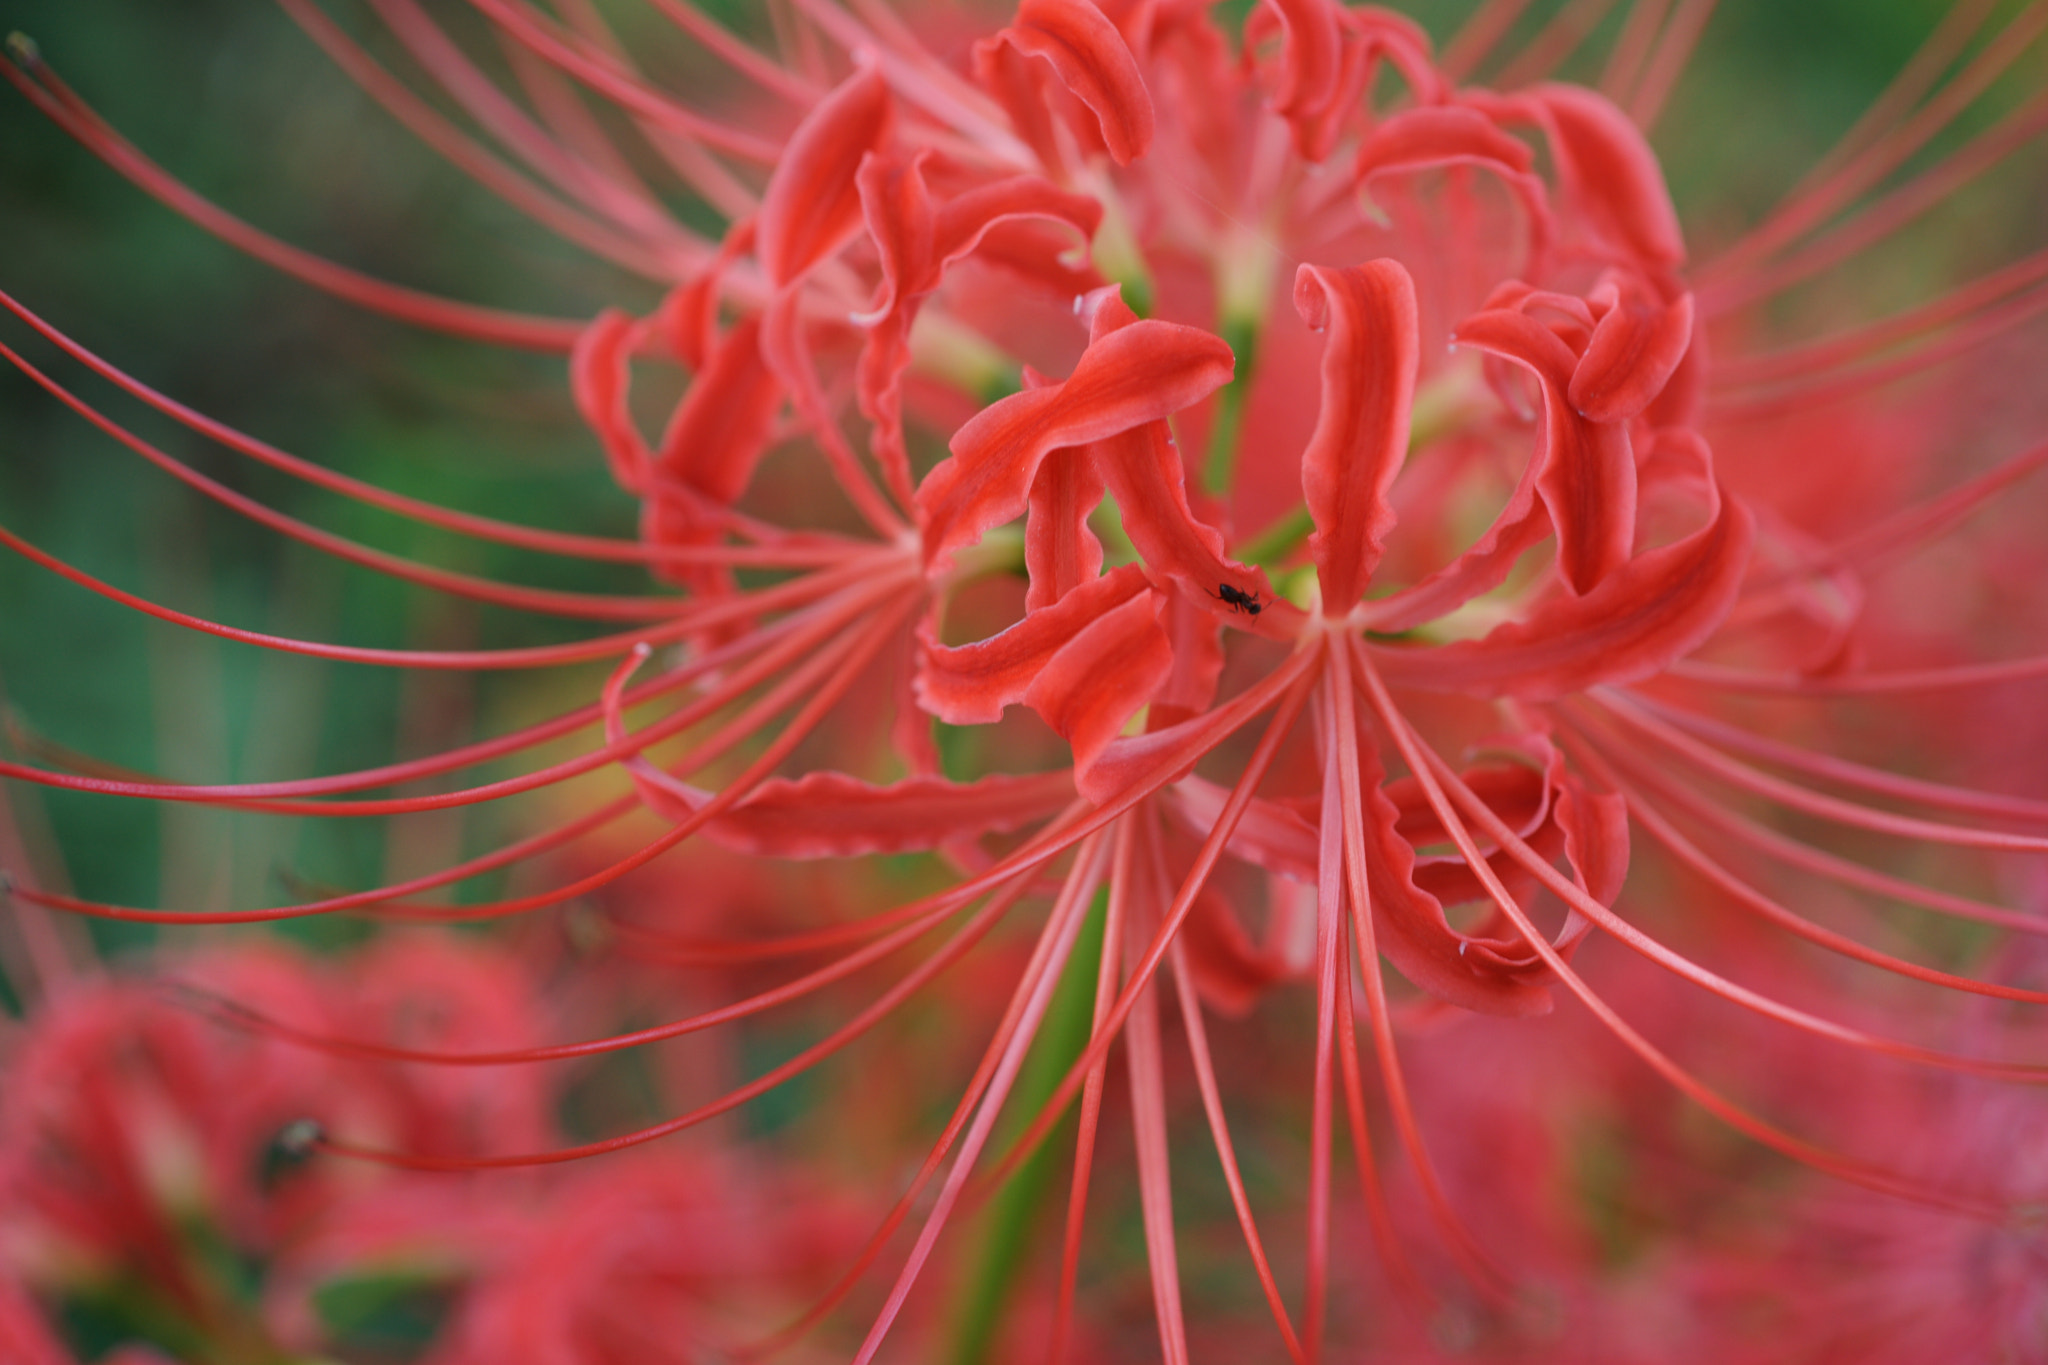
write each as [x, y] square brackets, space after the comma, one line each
[1012, 1218]
[1278, 540]
[1219, 468]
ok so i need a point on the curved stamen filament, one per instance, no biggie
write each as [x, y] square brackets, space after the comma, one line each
[478, 323]
[1448, 796]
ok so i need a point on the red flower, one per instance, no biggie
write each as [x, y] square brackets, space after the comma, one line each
[1495, 636]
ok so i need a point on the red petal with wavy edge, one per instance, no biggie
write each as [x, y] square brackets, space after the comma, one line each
[1652, 610]
[1329, 55]
[831, 815]
[1587, 474]
[600, 377]
[1634, 351]
[1410, 923]
[1143, 469]
[1454, 135]
[1019, 84]
[972, 684]
[688, 317]
[722, 426]
[1611, 173]
[1596, 844]
[1100, 678]
[812, 207]
[1519, 795]
[1195, 629]
[1138, 374]
[1361, 433]
[1060, 552]
[916, 241]
[1521, 525]
[1092, 61]
[1311, 56]
[896, 206]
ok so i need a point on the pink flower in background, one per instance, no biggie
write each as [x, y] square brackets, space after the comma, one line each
[1254, 507]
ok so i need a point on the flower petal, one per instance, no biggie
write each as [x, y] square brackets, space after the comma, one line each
[1311, 56]
[1134, 375]
[1457, 135]
[1060, 551]
[1587, 474]
[1410, 926]
[1652, 610]
[1100, 678]
[812, 205]
[600, 377]
[1634, 351]
[1092, 61]
[724, 422]
[916, 240]
[1606, 168]
[831, 815]
[1361, 433]
[972, 684]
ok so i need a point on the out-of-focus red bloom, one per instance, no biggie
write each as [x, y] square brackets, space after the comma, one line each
[1298, 378]
[147, 1149]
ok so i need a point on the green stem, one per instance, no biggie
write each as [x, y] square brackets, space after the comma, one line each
[1278, 540]
[1219, 468]
[1013, 1215]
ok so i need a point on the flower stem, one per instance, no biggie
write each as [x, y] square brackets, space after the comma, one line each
[1241, 334]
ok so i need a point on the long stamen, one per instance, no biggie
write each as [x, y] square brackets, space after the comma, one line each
[1742, 893]
[1471, 1257]
[1448, 796]
[478, 323]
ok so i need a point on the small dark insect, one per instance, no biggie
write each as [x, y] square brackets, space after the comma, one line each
[1240, 600]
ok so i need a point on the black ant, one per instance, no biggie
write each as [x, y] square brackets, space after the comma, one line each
[1239, 599]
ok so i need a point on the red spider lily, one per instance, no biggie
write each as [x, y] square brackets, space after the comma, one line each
[1538, 555]
[142, 1152]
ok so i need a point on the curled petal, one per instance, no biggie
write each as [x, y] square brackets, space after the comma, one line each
[1095, 65]
[1652, 610]
[812, 205]
[724, 422]
[1633, 353]
[1099, 679]
[917, 240]
[831, 815]
[966, 219]
[1456, 135]
[1060, 551]
[1410, 926]
[1311, 56]
[1193, 626]
[1134, 375]
[1610, 173]
[1587, 475]
[896, 205]
[600, 378]
[972, 684]
[1143, 469]
[1361, 433]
